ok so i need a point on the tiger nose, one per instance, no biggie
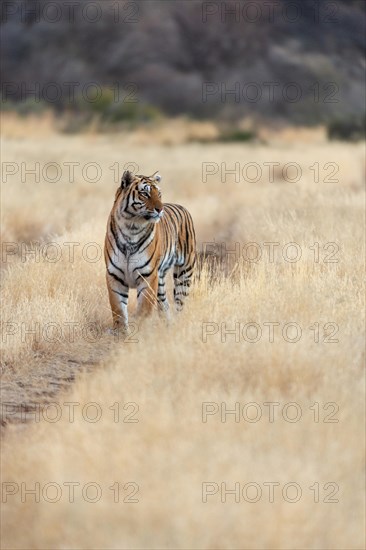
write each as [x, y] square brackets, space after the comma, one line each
[158, 209]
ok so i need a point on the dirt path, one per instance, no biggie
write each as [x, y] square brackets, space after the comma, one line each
[25, 394]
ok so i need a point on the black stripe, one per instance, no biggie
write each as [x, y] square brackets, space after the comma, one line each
[167, 267]
[121, 247]
[110, 242]
[141, 290]
[181, 293]
[147, 262]
[117, 278]
[120, 294]
[144, 239]
[174, 216]
[189, 268]
[184, 284]
[114, 265]
[144, 275]
[127, 203]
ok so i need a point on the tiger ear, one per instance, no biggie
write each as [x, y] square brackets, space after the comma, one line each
[127, 179]
[157, 177]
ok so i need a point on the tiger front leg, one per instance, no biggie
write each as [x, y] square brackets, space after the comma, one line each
[163, 304]
[118, 299]
[147, 289]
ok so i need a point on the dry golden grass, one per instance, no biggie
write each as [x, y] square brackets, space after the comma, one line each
[170, 371]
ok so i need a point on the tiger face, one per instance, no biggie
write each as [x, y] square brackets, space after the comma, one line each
[139, 198]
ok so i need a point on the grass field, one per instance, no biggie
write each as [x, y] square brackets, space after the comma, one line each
[146, 422]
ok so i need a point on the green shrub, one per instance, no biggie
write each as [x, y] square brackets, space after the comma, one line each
[350, 129]
[111, 111]
[23, 108]
[238, 135]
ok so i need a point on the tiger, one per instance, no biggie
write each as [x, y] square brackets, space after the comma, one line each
[144, 240]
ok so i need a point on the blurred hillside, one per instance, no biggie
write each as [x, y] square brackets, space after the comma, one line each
[299, 61]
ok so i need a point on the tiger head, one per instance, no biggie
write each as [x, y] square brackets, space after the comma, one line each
[139, 198]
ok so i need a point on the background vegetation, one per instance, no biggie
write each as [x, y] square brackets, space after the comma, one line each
[168, 52]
